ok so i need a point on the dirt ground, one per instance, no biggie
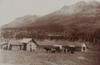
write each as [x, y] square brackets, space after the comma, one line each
[44, 58]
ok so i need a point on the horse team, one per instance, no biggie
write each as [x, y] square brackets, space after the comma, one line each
[57, 49]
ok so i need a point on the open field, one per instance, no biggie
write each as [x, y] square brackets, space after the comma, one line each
[44, 58]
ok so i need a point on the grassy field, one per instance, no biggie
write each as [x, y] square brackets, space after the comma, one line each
[44, 58]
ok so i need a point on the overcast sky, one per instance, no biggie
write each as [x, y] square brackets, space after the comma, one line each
[11, 9]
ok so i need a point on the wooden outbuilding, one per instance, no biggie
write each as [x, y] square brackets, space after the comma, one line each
[15, 45]
[49, 45]
[78, 46]
[83, 47]
[4, 45]
[28, 44]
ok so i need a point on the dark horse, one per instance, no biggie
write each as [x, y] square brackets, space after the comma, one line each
[48, 49]
[53, 49]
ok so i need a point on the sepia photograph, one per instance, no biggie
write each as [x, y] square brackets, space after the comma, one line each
[49, 32]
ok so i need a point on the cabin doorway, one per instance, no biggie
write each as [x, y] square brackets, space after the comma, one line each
[24, 48]
[83, 48]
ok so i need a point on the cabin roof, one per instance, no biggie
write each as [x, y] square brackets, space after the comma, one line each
[55, 42]
[76, 44]
[25, 40]
[14, 42]
[49, 42]
[3, 43]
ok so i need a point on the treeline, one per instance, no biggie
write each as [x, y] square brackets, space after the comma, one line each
[90, 35]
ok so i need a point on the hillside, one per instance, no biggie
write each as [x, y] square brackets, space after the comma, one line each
[78, 21]
[21, 21]
[81, 14]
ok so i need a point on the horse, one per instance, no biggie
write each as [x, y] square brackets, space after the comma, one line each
[52, 49]
[48, 49]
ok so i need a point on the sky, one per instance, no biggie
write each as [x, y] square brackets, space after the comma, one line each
[12, 9]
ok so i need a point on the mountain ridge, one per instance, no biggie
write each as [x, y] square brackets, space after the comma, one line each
[79, 13]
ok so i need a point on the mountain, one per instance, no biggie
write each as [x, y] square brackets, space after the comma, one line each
[80, 21]
[81, 15]
[21, 21]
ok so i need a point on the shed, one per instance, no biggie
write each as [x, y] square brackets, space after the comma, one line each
[49, 43]
[62, 44]
[4, 45]
[29, 44]
[15, 45]
[84, 47]
[78, 46]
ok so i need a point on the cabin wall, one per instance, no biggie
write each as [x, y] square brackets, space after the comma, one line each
[31, 46]
[84, 49]
[15, 48]
[79, 48]
[4, 47]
